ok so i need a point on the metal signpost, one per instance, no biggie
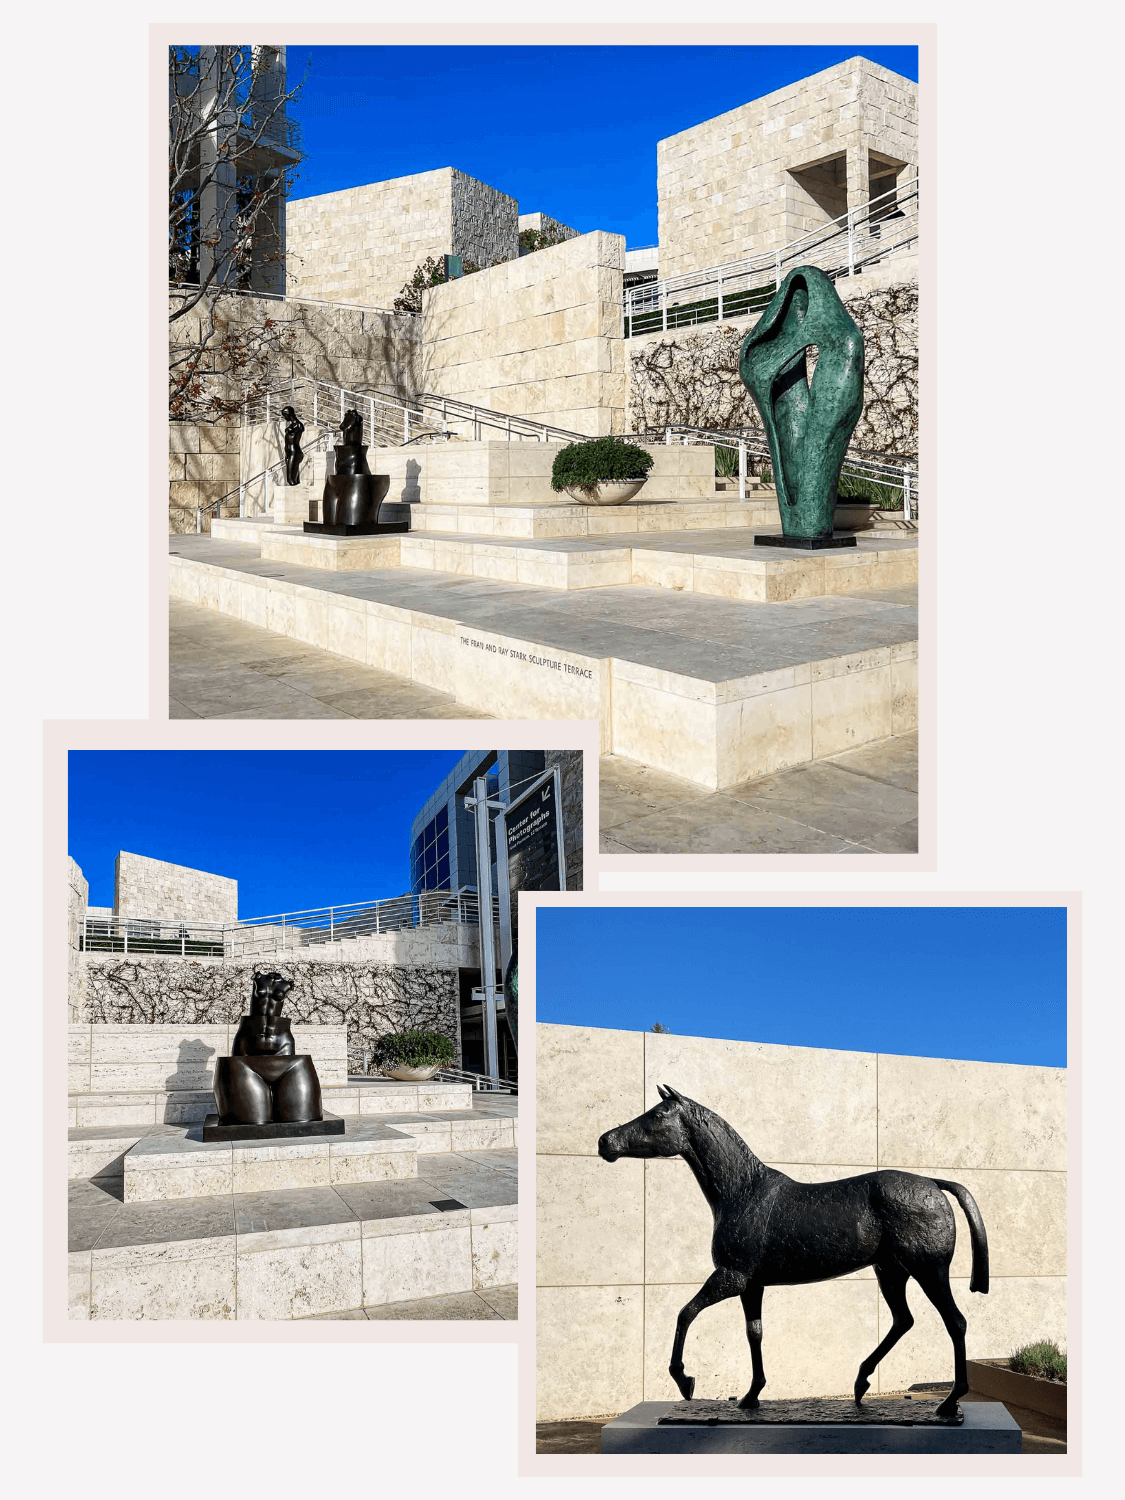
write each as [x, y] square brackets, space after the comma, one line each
[534, 817]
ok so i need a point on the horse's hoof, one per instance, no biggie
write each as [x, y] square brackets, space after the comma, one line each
[687, 1387]
[949, 1411]
[861, 1388]
[749, 1403]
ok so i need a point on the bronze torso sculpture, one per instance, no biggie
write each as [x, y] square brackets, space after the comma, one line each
[294, 427]
[773, 1231]
[265, 1080]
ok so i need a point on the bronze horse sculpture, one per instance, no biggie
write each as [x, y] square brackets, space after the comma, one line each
[773, 1231]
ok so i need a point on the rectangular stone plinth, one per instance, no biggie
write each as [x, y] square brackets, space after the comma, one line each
[185, 1164]
[276, 1130]
[308, 549]
[292, 504]
[987, 1428]
[575, 520]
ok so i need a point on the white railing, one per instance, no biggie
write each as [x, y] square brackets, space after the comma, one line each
[481, 1082]
[395, 421]
[282, 933]
[750, 443]
[886, 226]
[189, 289]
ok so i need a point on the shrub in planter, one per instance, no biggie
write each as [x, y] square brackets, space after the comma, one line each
[583, 466]
[1044, 1359]
[415, 1050]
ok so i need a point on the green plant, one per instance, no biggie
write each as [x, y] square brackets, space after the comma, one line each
[726, 463]
[1044, 1359]
[885, 496]
[766, 474]
[583, 466]
[430, 273]
[413, 1049]
[539, 239]
[656, 1026]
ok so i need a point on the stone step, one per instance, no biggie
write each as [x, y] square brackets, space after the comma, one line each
[296, 1252]
[713, 689]
[573, 520]
[184, 1165]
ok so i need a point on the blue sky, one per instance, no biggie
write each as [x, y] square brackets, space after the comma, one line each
[984, 983]
[296, 829]
[568, 131]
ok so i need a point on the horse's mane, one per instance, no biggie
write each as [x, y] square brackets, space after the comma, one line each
[707, 1119]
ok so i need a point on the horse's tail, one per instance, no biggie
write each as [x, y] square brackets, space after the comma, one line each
[978, 1281]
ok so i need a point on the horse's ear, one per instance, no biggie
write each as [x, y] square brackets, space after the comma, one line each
[670, 1092]
[663, 1090]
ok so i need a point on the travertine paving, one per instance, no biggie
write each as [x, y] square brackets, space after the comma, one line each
[498, 1303]
[862, 801]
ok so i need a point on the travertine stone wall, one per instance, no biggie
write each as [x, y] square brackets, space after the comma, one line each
[540, 336]
[484, 221]
[77, 898]
[362, 244]
[622, 1246]
[756, 177]
[370, 999]
[690, 375]
[146, 887]
[569, 763]
[202, 467]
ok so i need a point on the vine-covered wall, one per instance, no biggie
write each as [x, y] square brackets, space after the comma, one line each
[692, 379]
[369, 999]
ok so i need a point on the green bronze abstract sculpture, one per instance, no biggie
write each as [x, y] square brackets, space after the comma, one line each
[808, 422]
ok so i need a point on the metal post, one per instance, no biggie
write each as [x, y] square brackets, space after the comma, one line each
[331, 924]
[851, 241]
[776, 269]
[664, 308]
[341, 403]
[198, 519]
[283, 932]
[720, 296]
[316, 400]
[557, 774]
[906, 509]
[405, 424]
[741, 470]
[667, 437]
[484, 911]
[267, 408]
[371, 418]
[504, 895]
[241, 501]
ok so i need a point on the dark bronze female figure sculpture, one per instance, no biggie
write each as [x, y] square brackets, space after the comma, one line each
[353, 495]
[808, 422]
[772, 1231]
[265, 1080]
[293, 454]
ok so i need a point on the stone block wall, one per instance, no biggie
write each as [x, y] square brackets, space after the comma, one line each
[484, 221]
[741, 183]
[540, 336]
[690, 375]
[172, 893]
[202, 467]
[77, 900]
[362, 244]
[622, 1246]
[370, 999]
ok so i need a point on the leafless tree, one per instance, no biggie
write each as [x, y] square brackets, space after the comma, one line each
[232, 159]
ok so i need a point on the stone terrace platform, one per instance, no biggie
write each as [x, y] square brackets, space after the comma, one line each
[710, 687]
[299, 1252]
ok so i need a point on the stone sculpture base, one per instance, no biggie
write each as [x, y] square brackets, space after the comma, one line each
[367, 528]
[805, 543]
[822, 1426]
[276, 1130]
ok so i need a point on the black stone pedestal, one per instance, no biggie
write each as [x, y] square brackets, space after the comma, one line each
[804, 543]
[366, 528]
[277, 1130]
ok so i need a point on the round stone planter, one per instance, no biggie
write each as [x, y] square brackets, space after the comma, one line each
[609, 492]
[413, 1075]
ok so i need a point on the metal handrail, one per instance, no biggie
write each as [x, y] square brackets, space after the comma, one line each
[189, 287]
[859, 237]
[482, 1083]
[285, 931]
[244, 484]
[884, 468]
